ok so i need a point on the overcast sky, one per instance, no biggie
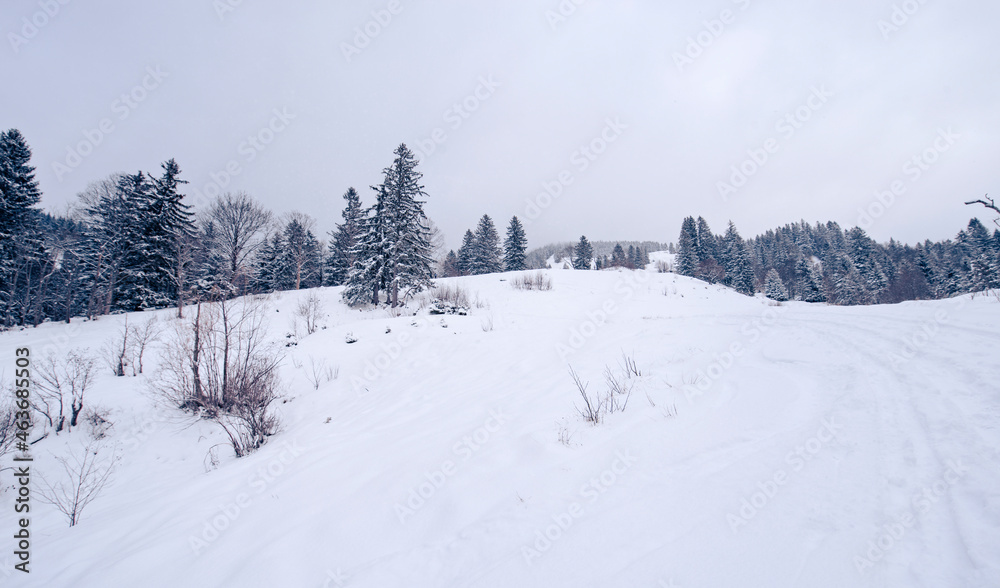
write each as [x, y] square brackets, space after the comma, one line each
[635, 112]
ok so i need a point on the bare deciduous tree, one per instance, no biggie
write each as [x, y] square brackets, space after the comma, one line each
[988, 203]
[220, 364]
[239, 221]
[143, 335]
[62, 381]
[84, 478]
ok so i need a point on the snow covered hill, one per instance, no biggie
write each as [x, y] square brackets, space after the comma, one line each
[761, 445]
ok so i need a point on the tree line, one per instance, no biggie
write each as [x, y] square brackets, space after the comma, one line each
[825, 263]
[131, 243]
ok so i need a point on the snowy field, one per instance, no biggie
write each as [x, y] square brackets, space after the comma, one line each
[762, 445]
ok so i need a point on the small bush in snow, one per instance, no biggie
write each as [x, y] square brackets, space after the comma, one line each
[618, 390]
[98, 422]
[220, 364]
[453, 295]
[84, 478]
[310, 310]
[536, 281]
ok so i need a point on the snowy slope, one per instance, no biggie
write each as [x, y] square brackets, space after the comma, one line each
[762, 446]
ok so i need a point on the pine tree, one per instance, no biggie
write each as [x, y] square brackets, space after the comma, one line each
[583, 253]
[810, 284]
[486, 254]
[136, 285]
[687, 243]
[299, 258]
[618, 256]
[20, 244]
[168, 235]
[515, 247]
[705, 241]
[343, 239]
[774, 288]
[466, 253]
[862, 252]
[267, 265]
[739, 265]
[394, 254]
[980, 259]
[449, 268]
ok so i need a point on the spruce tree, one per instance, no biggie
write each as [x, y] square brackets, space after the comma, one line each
[687, 253]
[705, 241]
[809, 283]
[583, 253]
[394, 253]
[20, 243]
[466, 253]
[862, 252]
[515, 247]
[486, 256]
[774, 288]
[618, 256]
[449, 268]
[168, 235]
[366, 277]
[739, 265]
[135, 288]
[343, 239]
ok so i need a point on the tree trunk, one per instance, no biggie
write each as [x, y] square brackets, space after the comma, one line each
[194, 354]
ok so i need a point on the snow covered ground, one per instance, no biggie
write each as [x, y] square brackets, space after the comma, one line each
[793, 445]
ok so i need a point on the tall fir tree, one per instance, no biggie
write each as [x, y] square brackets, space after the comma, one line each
[739, 272]
[466, 253]
[449, 267]
[862, 252]
[583, 254]
[486, 256]
[687, 252]
[136, 286]
[515, 247]
[809, 282]
[168, 233]
[618, 256]
[344, 238]
[774, 288]
[394, 254]
[21, 248]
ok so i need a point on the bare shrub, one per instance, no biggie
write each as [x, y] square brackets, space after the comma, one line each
[662, 267]
[84, 478]
[319, 371]
[629, 366]
[127, 348]
[310, 310]
[62, 382]
[453, 294]
[617, 392]
[142, 336]
[591, 411]
[98, 422]
[487, 324]
[535, 281]
[220, 364]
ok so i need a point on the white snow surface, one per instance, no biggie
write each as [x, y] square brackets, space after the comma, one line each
[763, 445]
